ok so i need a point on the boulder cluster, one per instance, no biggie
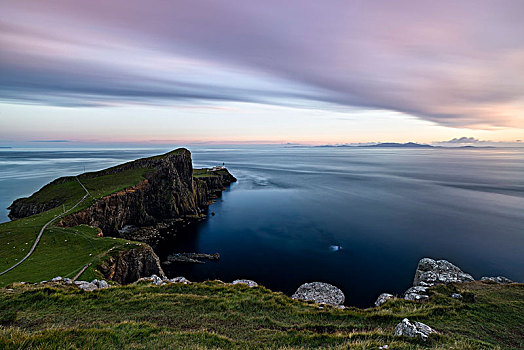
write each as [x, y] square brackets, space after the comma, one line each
[84, 285]
[432, 272]
[160, 281]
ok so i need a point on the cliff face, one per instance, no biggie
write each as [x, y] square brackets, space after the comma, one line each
[168, 192]
[22, 208]
[130, 265]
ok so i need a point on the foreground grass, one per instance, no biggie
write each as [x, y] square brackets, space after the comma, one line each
[215, 315]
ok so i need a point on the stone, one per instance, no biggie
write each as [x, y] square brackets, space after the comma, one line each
[456, 296]
[57, 279]
[100, 283]
[417, 293]
[156, 280]
[319, 292]
[180, 279]
[249, 283]
[382, 298]
[430, 272]
[413, 329]
[497, 279]
[383, 347]
[68, 281]
[87, 286]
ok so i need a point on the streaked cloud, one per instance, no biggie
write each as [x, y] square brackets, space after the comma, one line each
[455, 63]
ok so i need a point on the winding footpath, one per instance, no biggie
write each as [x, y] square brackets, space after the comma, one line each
[45, 226]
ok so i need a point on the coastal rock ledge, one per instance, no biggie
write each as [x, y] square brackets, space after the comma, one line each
[430, 272]
[321, 293]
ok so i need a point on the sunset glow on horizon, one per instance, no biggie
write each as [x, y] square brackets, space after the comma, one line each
[270, 72]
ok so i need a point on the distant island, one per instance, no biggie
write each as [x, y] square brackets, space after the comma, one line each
[397, 145]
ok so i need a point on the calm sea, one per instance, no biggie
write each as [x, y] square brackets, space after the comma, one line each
[385, 208]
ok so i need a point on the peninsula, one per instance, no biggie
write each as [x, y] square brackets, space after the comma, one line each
[104, 219]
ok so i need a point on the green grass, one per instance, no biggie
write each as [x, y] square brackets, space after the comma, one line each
[199, 173]
[61, 251]
[214, 315]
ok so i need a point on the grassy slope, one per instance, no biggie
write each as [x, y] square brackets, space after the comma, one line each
[62, 251]
[215, 315]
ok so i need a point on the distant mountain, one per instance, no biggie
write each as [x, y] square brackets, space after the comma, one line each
[385, 145]
[398, 145]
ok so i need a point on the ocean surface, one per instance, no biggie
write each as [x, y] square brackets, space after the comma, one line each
[357, 218]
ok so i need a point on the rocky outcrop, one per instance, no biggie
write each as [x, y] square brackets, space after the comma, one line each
[413, 329]
[195, 258]
[382, 298]
[132, 264]
[168, 192]
[21, 208]
[497, 279]
[430, 272]
[319, 292]
[417, 293]
[249, 283]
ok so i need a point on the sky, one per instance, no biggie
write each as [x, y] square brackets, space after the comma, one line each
[269, 71]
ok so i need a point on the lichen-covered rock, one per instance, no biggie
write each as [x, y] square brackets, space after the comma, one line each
[497, 279]
[430, 272]
[417, 293]
[320, 292]
[156, 280]
[130, 265]
[382, 298]
[87, 286]
[180, 279]
[100, 283]
[249, 283]
[413, 329]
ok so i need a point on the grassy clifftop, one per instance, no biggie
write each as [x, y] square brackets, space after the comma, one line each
[217, 315]
[65, 250]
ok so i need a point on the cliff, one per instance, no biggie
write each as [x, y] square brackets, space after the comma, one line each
[129, 265]
[165, 189]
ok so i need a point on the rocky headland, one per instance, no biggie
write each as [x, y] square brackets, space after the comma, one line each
[135, 201]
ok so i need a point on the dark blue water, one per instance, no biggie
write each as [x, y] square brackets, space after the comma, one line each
[386, 208]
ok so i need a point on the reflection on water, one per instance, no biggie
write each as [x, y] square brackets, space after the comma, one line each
[357, 218]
